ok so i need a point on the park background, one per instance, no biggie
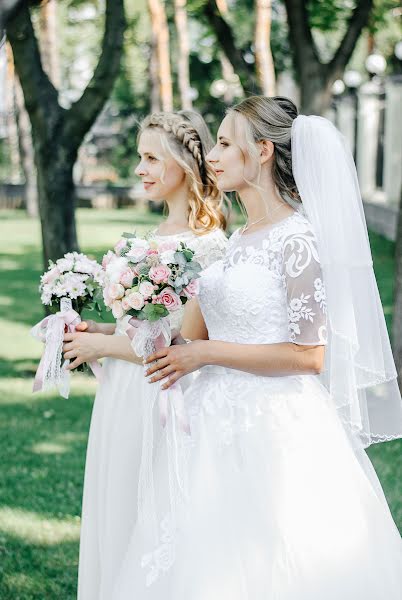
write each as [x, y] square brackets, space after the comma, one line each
[76, 77]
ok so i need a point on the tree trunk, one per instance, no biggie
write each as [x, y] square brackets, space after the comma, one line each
[315, 91]
[58, 133]
[57, 194]
[26, 153]
[161, 33]
[397, 318]
[48, 40]
[11, 120]
[154, 77]
[214, 11]
[183, 67]
[315, 77]
[263, 55]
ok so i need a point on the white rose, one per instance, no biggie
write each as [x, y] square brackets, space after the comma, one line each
[115, 268]
[135, 300]
[116, 291]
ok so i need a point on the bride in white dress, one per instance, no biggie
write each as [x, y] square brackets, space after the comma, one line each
[172, 148]
[272, 497]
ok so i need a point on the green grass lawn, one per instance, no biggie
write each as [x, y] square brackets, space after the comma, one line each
[43, 437]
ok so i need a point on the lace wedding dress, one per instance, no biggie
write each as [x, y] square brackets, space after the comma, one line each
[273, 500]
[114, 453]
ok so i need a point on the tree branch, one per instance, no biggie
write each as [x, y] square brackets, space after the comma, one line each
[225, 37]
[39, 93]
[304, 51]
[356, 24]
[82, 114]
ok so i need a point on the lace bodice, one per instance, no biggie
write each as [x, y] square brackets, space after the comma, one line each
[208, 249]
[268, 289]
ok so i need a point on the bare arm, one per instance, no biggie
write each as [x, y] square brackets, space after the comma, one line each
[83, 347]
[270, 360]
[193, 326]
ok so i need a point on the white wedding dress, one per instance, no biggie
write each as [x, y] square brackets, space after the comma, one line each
[274, 502]
[114, 453]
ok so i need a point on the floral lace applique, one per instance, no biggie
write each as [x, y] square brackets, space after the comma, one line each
[162, 558]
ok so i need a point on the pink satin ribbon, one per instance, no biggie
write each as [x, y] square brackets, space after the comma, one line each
[170, 397]
[71, 319]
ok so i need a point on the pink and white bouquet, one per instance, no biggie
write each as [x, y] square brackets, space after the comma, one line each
[71, 284]
[148, 279]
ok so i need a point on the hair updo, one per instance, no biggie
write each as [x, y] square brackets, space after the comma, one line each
[188, 141]
[271, 118]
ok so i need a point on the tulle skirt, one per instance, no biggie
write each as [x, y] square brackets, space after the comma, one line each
[277, 505]
[111, 479]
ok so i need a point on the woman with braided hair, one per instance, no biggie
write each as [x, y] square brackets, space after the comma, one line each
[172, 149]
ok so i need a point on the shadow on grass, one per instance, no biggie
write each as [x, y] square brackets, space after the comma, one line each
[43, 446]
[22, 367]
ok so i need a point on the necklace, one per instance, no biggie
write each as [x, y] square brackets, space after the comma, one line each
[248, 225]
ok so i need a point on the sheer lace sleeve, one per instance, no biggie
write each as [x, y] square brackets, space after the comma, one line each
[305, 289]
[210, 247]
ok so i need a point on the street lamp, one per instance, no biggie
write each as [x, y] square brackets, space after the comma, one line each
[353, 80]
[375, 64]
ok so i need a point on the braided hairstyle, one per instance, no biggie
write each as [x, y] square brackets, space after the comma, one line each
[271, 118]
[186, 137]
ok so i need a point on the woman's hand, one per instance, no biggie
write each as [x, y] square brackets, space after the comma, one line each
[175, 362]
[83, 347]
[89, 326]
[93, 327]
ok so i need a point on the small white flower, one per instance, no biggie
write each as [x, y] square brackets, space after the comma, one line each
[296, 304]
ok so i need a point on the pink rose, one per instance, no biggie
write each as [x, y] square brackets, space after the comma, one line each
[121, 244]
[107, 258]
[192, 289]
[135, 300]
[160, 273]
[151, 251]
[170, 299]
[146, 289]
[116, 291]
[117, 309]
[126, 278]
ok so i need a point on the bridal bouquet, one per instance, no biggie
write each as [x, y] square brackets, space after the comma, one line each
[148, 279]
[71, 284]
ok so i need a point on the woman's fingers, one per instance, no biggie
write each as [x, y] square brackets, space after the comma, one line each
[156, 355]
[83, 326]
[76, 363]
[161, 374]
[159, 364]
[171, 380]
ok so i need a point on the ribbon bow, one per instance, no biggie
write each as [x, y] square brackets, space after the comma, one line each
[51, 372]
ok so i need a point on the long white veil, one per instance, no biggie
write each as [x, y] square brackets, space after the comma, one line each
[359, 368]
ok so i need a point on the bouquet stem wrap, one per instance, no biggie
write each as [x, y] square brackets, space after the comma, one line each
[147, 337]
[51, 371]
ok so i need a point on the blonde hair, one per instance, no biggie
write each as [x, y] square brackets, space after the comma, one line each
[271, 118]
[188, 140]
